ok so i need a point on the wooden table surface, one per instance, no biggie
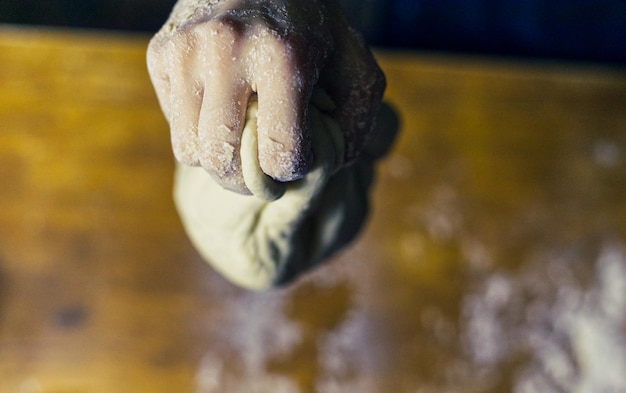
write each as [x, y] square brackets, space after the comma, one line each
[498, 230]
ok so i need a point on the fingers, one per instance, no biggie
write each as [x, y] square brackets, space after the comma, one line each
[219, 138]
[159, 73]
[198, 80]
[205, 75]
[284, 90]
[221, 122]
[185, 102]
[179, 91]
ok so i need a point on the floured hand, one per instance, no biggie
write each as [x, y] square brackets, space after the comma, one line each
[213, 57]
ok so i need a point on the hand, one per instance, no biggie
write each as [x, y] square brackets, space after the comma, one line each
[206, 67]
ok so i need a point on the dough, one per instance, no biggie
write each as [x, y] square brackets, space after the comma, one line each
[260, 184]
[283, 229]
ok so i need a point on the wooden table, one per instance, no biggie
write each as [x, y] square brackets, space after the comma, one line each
[500, 212]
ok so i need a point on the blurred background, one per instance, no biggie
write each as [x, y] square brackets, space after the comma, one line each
[583, 30]
[494, 258]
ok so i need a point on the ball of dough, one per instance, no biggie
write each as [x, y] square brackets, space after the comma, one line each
[269, 238]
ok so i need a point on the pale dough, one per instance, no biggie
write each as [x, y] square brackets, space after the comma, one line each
[259, 184]
[282, 230]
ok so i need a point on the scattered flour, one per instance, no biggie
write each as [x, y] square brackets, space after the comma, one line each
[573, 335]
[607, 153]
[255, 332]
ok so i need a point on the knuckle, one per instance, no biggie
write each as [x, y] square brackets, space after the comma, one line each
[155, 46]
[221, 29]
[183, 41]
[224, 24]
[286, 49]
[218, 37]
[155, 56]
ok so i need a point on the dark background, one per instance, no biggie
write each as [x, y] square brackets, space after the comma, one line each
[578, 30]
